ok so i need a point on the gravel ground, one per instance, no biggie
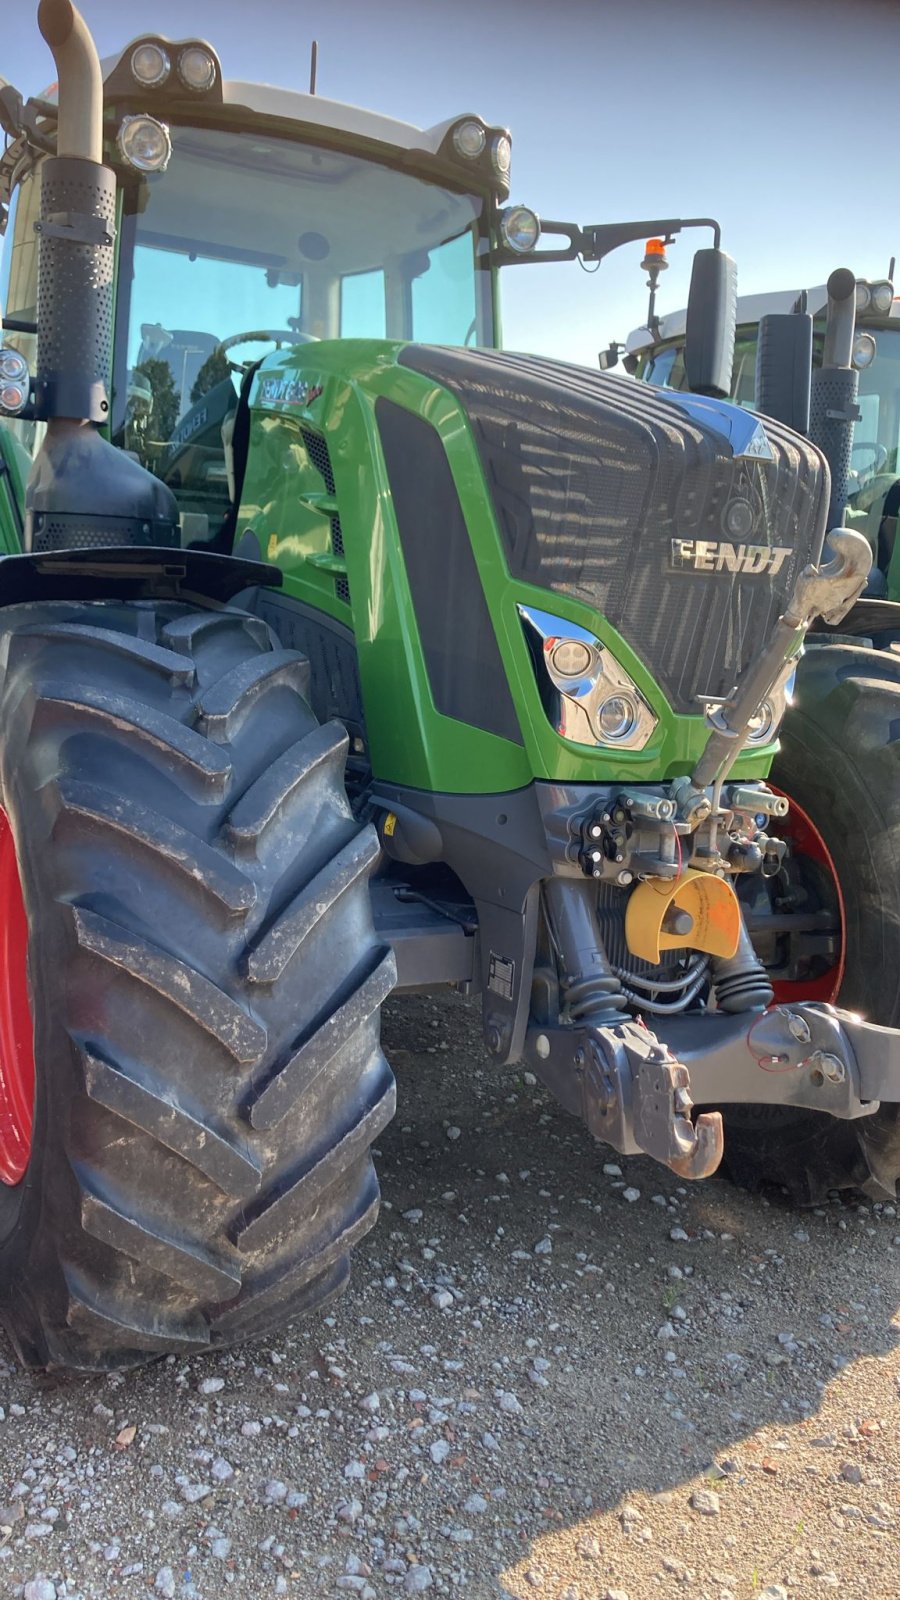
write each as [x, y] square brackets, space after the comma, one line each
[557, 1374]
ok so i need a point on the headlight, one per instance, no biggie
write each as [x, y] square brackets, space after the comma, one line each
[197, 68]
[588, 696]
[150, 64]
[863, 296]
[520, 229]
[501, 154]
[616, 718]
[881, 296]
[570, 658]
[864, 351]
[765, 724]
[14, 395]
[470, 139]
[13, 366]
[762, 727]
[145, 143]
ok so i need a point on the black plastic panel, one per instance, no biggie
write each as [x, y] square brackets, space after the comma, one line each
[593, 476]
[465, 668]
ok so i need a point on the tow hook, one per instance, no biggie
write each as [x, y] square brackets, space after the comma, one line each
[631, 1092]
[632, 1077]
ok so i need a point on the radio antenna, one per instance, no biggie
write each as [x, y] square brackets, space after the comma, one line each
[313, 64]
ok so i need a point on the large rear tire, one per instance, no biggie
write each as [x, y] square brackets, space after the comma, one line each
[205, 985]
[840, 764]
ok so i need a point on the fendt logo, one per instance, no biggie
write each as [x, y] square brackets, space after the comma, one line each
[717, 555]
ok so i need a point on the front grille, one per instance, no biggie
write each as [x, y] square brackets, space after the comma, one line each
[317, 450]
[593, 477]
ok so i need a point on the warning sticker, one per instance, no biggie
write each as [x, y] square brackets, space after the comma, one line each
[502, 976]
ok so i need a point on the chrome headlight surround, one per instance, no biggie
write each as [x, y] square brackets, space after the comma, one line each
[595, 702]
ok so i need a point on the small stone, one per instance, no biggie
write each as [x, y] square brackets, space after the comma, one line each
[417, 1580]
[612, 1169]
[439, 1451]
[773, 1591]
[274, 1491]
[667, 1331]
[222, 1470]
[850, 1472]
[39, 1589]
[164, 1583]
[251, 1430]
[706, 1501]
[475, 1504]
[615, 1594]
[544, 1247]
[208, 1386]
[453, 1133]
[631, 1194]
[192, 1493]
[370, 1403]
[443, 1299]
[677, 1235]
[415, 1215]
[509, 1402]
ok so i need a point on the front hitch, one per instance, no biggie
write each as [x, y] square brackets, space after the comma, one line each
[636, 1089]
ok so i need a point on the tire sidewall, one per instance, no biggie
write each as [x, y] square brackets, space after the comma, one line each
[836, 762]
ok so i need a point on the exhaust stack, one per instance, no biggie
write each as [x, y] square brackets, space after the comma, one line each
[76, 233]
[81, 493]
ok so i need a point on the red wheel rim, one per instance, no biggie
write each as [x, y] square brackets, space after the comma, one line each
[16, 1031]
[806, 840]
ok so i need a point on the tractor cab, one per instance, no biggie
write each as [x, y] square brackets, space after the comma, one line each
[251, 218]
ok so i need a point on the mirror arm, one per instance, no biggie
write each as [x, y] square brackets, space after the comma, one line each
[597, 240]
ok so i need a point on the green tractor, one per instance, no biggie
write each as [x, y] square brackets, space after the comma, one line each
[373, 659]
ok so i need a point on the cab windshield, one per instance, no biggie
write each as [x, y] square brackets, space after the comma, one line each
[248, 241]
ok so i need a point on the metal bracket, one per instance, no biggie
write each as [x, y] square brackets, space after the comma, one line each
[78, 227]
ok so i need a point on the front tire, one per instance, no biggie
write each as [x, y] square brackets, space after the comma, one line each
[205, 986]
[840, 764]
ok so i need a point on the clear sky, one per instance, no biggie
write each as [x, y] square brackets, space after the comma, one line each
[778, 117]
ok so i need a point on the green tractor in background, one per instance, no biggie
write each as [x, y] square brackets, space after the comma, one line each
[372, 658]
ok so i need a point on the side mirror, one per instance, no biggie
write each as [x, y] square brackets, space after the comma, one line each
[784, 368]
[711, 324]
[609, 357]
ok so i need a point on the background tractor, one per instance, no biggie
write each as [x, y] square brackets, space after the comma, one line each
[341, 652]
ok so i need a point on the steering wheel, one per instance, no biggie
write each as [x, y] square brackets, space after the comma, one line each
[879, 454]
[276, 336]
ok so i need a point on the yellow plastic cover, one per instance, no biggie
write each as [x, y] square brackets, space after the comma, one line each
[710, 902]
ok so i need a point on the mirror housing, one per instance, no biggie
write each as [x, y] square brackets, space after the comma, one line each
[711, 323]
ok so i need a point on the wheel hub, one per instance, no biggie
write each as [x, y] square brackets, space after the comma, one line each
[16, 1029]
